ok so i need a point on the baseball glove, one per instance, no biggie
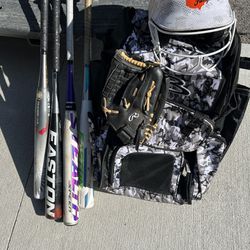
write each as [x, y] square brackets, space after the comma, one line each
[133, 98]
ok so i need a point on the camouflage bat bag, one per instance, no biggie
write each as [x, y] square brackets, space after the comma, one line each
[201, 115]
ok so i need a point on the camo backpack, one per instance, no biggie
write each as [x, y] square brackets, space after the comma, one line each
[201, 115]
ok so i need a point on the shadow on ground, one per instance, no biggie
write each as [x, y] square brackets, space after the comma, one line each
[18, 81]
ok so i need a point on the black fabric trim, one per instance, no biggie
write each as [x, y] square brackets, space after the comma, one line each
[229, 66]
[235, 113]
[245, 63]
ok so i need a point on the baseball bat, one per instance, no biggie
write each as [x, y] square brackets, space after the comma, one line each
[53, 191]
[86, 192]
[42, 109]
[70, 142]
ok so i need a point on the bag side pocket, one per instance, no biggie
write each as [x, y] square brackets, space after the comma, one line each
[148, 171]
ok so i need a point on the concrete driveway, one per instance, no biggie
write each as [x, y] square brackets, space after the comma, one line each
[220, 221]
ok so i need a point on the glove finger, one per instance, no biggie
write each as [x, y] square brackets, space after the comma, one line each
[122, 70]
[150, 90]
[131, 90]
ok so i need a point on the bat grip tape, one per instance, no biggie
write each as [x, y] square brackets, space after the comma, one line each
[44, 25]
[56, 30]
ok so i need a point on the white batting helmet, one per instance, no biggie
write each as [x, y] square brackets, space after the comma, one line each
[192, 18]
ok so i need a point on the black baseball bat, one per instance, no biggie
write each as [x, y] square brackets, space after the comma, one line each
[54, 194]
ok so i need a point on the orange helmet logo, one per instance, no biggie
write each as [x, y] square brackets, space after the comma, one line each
[196, 4]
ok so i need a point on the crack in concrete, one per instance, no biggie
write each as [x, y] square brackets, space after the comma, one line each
[19, 208]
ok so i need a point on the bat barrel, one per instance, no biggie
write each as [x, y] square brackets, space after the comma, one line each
[70, 186]
[53, 193]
